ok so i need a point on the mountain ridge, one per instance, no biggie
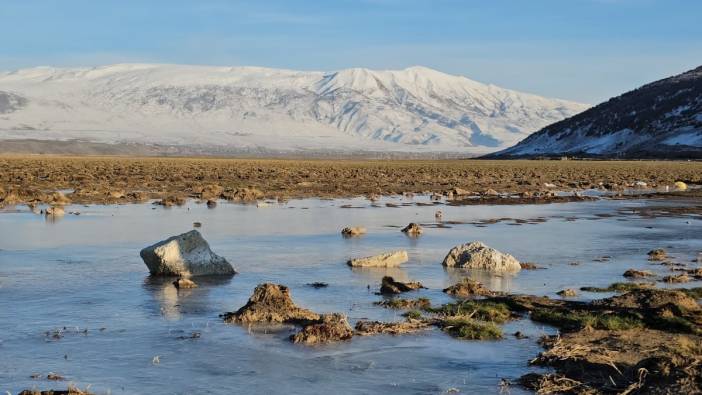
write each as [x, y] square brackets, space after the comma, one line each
[661, 119]
[416, 109]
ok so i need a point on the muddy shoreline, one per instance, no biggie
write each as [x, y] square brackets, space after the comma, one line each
[110, 180]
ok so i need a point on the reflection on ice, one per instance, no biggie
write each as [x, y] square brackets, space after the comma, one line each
[173, 302]
[501, 282]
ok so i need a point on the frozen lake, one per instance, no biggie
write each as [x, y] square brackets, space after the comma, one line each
[84, 272]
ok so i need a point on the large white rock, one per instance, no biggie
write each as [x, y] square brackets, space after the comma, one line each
[477, 255]
[389, 259]
[184, 255]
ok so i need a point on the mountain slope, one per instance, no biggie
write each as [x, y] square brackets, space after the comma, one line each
[412, 110]
[662, 119]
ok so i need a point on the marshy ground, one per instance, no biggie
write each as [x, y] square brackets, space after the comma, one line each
[121, 179]
[630, 324]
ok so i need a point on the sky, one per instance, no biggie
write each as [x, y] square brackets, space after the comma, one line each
[582, 50]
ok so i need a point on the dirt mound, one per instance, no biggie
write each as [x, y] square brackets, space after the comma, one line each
[390, 286]
[271, 303]
[331, 328]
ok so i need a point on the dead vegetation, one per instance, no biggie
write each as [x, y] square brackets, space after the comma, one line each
[619, 362]
[368, 328]
[405, 304]
[643, 341]
[27, 179]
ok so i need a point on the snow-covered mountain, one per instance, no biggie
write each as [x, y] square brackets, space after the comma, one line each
[660, 120]
[412, 110]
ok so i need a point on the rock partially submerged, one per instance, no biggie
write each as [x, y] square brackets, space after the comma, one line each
[330, 328]
[185, 255]
[477, 255]
[567, 293]
[529, 266]
[413, 229]
[184, 283]
[659, 254]
[353, 231]
[388, 259]
[271, 303]
[467, 288]
[634, 273]
[390, 286]
[54, 211]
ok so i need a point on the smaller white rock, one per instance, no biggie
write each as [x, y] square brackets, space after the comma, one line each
[388, 259]
[185, 255]
[477, 255]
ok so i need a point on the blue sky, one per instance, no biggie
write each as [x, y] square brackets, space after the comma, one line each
[585, 50]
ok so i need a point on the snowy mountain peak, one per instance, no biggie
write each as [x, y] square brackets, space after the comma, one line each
[414, 109]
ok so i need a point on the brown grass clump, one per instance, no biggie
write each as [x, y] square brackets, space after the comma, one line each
[367, 328]
[405, 304]
[623, 362]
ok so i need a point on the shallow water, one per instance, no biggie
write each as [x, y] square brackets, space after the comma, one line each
[85, 272]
